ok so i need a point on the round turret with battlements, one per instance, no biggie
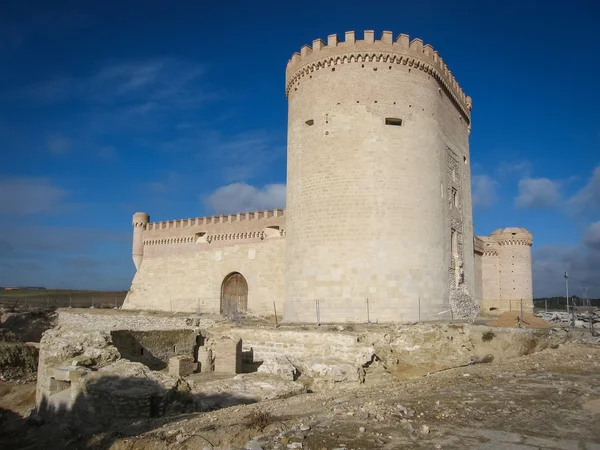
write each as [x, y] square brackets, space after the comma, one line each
[514, 266]
[378, 182]
[139, 222]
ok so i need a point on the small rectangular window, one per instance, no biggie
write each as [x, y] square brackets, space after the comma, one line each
[454, 197]
[393, 121]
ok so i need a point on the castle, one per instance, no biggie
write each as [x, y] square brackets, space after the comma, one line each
[378, 222]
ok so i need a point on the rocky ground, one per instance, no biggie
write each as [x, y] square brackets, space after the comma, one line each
[548, 400]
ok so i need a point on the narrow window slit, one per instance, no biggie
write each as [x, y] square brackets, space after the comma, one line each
[393, 121]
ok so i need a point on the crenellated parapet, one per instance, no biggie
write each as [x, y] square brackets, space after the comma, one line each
[512, 236]
[216, 221]
[393, 51]
[229, 228]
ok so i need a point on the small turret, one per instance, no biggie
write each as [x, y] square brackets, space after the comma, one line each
[139, 222]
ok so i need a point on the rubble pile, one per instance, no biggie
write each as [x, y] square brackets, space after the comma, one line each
[582, 319]
[463, 305]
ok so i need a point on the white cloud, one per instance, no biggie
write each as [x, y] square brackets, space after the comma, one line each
[581, 261]
[484, 191]
[587, 200]
[59, 144]
[520, 168]
[30, 195]
[591, 238]
[537, 193]
[238, 157]
[242, 197]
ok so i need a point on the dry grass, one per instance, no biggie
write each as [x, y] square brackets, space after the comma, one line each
[259, 419]
[488, 336]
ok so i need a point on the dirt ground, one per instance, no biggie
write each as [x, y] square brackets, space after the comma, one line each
[548, 400]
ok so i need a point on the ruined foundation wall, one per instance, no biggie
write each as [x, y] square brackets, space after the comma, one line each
[154, 349]
[128, 320]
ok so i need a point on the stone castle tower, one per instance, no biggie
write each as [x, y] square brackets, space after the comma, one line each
[378, 180]
[378, 225]
[506, 270]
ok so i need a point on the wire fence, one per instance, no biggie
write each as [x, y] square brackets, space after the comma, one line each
[99, 300]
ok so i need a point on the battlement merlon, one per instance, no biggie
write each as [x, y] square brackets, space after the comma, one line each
[512, 236]
[215, 224]
[401, 50]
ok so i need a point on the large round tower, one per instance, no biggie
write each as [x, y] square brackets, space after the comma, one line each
[378, 182]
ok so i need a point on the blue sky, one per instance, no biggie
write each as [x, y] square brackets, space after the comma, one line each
[178, 109]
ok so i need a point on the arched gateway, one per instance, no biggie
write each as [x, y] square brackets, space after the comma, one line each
[234, 294]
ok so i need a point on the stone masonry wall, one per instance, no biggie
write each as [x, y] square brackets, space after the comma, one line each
[128, 320]
[302, 345]
[191, 280]
[369, 130]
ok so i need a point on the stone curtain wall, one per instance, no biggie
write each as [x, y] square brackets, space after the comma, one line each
[190, 280]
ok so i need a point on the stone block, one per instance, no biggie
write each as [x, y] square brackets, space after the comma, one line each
[227, 354]
[205, 360]
[280, 366]
[181, 366]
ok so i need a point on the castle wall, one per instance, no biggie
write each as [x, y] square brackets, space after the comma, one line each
[186, 261]
[368, 207]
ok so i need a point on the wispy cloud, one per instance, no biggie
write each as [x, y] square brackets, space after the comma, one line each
[242, 197]
[67, 257]
[139, 85]
[30, 195]
[587, 199]
[59, 144]
[518, 168]
[484, 190]
[581, 261]
[537, 193]
[238, 157]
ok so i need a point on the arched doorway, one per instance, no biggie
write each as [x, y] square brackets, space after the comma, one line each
[234, 294]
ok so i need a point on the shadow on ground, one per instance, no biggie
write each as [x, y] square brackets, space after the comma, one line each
[110, 408]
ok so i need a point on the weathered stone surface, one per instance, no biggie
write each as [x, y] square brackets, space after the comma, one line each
[332, 370]
[181, 366]
[244, 388]
[18, 360]
[205, 359]
[227, 353]
[280, 366]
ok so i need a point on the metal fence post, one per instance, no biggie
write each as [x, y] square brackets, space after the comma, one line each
[275, 310]
[317, 306]
[92, 301]
[368, 313]
[70, 302]
[546, 304]
[419, 309]
[521, 321]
